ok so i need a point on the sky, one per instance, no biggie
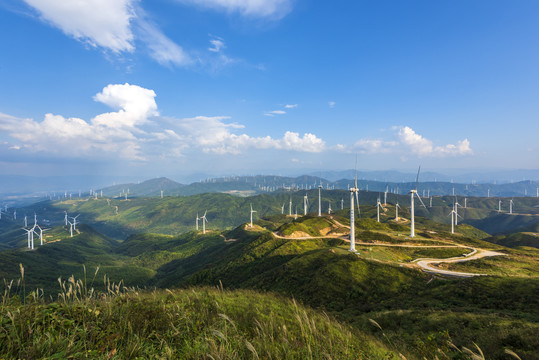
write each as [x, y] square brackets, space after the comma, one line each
[171, 87]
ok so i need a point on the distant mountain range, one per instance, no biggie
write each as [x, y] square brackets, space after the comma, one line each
[16, 188]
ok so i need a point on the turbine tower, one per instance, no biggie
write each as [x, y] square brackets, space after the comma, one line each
[511, 206]
[378, 206]
[342, 204]
[305, 204]
[320, 198]
[397, 212]
[412, 211]
[75, 222]
[499, 206]
[290, 207]
[353, 192]
[204, 221]
[30, 233]
[197, 222]
[253, 211]
[282, 209]
[329, 208]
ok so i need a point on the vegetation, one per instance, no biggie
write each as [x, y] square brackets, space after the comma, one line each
[181, 324]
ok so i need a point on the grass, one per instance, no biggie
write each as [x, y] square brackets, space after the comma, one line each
[180, 324]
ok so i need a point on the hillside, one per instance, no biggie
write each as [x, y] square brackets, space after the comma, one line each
[307, 259]
[180, 324]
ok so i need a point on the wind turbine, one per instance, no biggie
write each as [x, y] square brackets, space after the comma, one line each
[290, 207]
[161, 194]
[305, 204]
[378, 206]
[25, 221]
[385, 196]
[30, 233]
[296, 214]
[65, 217]
[253, 211]
[397, 206]
[454, 217]
[197, 222]
[412, 211]
[329, 208]
[499, 206]
[75, 222]
[320, 198]
[511, 206]
[70, 228]
[342, 204]
[353, 192]
[282, 208]
[204, 221]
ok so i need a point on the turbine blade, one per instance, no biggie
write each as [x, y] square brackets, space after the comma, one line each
[421, 201]
[417, 177]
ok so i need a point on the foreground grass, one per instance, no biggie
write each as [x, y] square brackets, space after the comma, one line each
[194, 323]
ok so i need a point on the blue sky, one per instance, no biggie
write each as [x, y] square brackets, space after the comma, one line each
[250, 86]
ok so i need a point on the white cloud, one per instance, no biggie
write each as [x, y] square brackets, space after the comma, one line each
[104, 23]
[212, 134]
[408, 142]
[162, 49]
[117, 132]
[217, 45]
[273, 9]
[125, 132]
[331, 104]
[275, 112]
[291, 106]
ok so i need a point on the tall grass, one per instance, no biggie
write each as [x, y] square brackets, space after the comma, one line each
[213, 323]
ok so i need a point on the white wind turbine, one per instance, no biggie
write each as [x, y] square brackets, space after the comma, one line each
[511, 206]
[204, 221]
[499, 206]
[342, 204]
[282, 208]
[197, 222]
[296, 213]
[329, 208]
[320, 199]
[65, 217]
[70, 228]
[397, 206]
[25, 221]
[30, 233]
[412, 211]
[454, 217]
[290, 207]
[75, 222]
[385, 195]
[253, 211]
[161, 194]
[305, 204]
[353, 192]
[378, 207]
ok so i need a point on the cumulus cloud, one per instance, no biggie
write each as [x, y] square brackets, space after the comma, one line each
[103, 23]
[136, 131]
[273, 9]
[291, 106]
[108, 132]
[409, 142]
[212, 134]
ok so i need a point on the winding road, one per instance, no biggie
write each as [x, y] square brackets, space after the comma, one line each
[424, 263]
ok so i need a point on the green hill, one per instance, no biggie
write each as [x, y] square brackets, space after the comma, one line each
[181, 324]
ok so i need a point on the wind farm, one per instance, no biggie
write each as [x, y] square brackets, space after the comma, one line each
[269, 179]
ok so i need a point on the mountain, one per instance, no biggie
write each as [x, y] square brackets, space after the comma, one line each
[379, 293]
